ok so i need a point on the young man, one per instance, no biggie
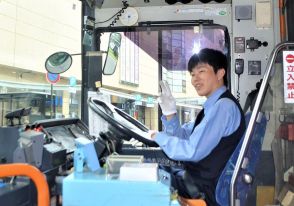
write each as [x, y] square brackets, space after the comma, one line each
[205, 145]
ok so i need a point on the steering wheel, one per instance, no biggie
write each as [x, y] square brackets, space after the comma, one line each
[121, 121]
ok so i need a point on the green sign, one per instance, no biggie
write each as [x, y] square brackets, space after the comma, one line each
[150, 102]
[138, 99]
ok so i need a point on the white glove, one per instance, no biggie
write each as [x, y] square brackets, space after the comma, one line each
[166, 100]
[149, 135]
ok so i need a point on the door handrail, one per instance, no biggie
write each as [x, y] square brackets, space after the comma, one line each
[253, 118]
[19, 169]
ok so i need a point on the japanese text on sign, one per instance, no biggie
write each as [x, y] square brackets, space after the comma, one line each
[288, 65]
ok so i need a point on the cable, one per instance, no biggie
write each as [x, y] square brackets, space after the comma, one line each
[116, 16]
[238, 90]
[125, 6]
[100, 22]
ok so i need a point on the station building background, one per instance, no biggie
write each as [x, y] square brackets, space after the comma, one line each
[30, 32]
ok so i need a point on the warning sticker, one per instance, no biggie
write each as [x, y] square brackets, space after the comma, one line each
[288, 67]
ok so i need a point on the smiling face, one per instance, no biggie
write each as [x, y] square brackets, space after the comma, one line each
[205, 80]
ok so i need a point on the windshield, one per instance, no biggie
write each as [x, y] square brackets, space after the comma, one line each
[149, 55]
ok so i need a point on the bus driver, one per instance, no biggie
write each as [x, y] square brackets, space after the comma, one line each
[205, 145]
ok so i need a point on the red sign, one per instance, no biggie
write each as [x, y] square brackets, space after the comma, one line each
[52, 78]
[288, 67]
[290, 58]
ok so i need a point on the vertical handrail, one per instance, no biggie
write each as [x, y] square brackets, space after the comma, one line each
[253, 118]
[19, 169]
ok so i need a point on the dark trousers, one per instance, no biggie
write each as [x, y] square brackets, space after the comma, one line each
[190, 187]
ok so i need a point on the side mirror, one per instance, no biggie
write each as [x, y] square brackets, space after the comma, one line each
[112, 54]
[58, 62]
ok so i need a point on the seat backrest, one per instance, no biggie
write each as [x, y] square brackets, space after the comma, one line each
[253, 152]
[8, 143]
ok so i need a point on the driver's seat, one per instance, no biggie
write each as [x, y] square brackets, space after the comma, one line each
[223, 186]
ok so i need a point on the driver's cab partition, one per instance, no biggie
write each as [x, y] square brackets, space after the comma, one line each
[261, 169]
[245, 178]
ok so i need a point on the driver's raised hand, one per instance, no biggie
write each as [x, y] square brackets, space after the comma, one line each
[166, 100]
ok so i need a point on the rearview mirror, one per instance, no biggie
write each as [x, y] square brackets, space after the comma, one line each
[112, 53]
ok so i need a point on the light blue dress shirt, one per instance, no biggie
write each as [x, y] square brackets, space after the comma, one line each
[222, 118]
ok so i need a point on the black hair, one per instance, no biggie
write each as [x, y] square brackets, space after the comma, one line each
[213, 57]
